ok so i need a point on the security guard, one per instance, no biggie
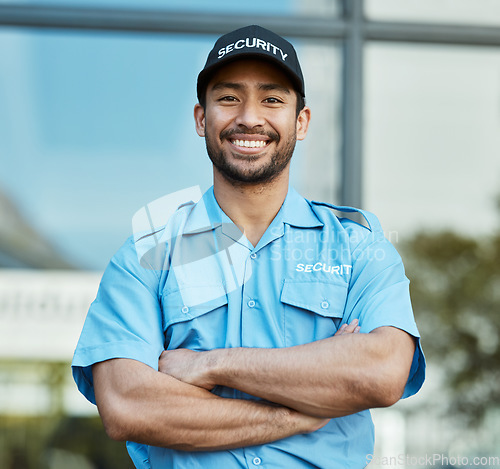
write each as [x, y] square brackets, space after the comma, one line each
[254, 327]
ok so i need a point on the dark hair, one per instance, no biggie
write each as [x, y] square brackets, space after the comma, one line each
[301, 101]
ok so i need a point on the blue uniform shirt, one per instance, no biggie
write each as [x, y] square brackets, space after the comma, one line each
[198, 283]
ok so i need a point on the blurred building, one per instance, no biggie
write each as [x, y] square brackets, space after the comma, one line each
[21, 245]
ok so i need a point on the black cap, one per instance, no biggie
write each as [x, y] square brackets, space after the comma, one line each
[252, 42]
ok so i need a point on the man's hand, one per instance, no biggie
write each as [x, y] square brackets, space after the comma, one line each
[187, 366]
[193, 367]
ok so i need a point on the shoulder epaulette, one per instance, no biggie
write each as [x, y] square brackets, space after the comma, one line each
[371, 220]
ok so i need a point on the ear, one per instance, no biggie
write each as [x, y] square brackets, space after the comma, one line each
[199, 119]
[303, 120]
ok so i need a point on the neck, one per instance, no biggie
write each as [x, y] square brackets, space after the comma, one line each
[252, 207]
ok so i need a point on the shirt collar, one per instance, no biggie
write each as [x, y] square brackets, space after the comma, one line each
[207, 215]
[296, 211]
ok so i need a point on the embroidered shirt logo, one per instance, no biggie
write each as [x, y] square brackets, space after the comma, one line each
[341, 269]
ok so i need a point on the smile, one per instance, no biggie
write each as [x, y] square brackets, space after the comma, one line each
[249, 143]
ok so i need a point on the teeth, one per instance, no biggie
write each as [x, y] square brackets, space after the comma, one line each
[250, 143]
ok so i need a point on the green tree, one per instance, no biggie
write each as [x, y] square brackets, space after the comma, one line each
[455, 287]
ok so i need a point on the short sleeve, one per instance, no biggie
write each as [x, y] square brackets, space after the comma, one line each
[124, 321]
[379, 296]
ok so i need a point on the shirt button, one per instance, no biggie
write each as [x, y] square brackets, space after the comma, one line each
[257, 461]
[185, 309]
[325, 304]
[253, 255]
[251, 303]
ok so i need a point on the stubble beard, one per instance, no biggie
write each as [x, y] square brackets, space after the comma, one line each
[259, 175]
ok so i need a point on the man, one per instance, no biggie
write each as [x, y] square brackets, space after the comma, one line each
[255, 328]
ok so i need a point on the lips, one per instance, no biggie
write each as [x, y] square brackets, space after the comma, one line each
[249, 142]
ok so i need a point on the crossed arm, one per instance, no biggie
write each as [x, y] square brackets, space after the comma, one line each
[309, 384]
[328, 378]
[137, 403]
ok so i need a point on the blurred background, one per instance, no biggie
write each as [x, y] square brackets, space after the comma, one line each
[96, 102]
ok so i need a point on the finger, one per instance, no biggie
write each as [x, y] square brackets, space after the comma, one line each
[341, 329]
[351, 327]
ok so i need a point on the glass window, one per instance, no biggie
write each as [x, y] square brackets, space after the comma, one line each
[481, 12]
[432, 137]
[96, 125]
[320, 8]
[316, 169]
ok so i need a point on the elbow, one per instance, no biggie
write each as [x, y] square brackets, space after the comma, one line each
[392, 367]
[114, 430]
[388, 388]
[114, 420]
[389, 396]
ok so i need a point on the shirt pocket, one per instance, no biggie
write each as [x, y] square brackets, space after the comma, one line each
[195, 317]
[312, 310]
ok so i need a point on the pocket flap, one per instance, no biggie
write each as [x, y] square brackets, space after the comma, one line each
[192, 301]
[325, 299]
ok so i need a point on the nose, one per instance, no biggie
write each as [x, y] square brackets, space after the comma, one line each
[250, 115]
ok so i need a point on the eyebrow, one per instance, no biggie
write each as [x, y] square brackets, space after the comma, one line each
[273, 87]
[239, 86]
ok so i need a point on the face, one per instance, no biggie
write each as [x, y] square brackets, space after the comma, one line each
[250, 123]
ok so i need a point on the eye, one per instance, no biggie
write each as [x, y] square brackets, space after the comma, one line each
[273, 100]
[227, 99]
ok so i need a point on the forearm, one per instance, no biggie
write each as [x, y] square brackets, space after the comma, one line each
[159, 410]
[299, 377]
[328, 378]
